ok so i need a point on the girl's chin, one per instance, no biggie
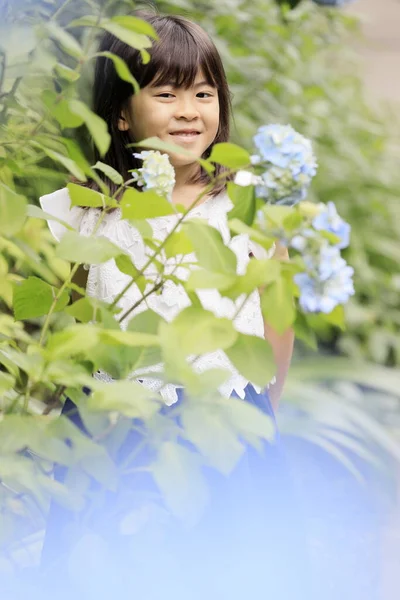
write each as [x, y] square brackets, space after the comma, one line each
[182, 160]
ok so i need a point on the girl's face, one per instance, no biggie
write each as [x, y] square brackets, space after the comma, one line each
[186, 117]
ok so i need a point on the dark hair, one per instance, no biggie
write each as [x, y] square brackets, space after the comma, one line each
[182, 49]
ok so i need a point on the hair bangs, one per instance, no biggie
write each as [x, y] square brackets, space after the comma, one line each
[178, 57]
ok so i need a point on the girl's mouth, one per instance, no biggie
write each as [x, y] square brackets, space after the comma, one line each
[186, 136]
[185, 133]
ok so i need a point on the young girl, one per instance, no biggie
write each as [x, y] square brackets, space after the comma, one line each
[184, 99]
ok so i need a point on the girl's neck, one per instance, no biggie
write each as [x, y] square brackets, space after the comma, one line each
[187, 194]
[184, 191]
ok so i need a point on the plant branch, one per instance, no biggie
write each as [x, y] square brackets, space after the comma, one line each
[60, 9]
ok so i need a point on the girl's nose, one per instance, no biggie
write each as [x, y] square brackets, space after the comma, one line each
[186, 110]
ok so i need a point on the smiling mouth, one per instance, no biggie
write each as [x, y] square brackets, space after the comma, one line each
[186, 133]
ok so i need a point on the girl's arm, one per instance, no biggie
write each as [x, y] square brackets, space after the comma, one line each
[282, 347]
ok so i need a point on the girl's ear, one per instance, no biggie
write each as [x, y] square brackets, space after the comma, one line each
[123, 124]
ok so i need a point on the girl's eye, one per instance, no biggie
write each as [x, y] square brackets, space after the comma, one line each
[165, 95]
[204, 94]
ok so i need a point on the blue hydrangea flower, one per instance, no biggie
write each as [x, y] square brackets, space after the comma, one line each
[323, 296]
[156, 174]
[327, 282]
[330, 262]
[329, 220]
[290, 162]
[301, 241]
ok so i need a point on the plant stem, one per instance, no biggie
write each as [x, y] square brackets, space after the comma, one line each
[55, 300]
[139, 302]
[59, 10]
[27, 395]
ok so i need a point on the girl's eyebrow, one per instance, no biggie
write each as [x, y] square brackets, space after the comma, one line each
[173, 84]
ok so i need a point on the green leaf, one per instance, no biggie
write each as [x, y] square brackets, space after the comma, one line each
[59, 108]
[127, 35]
[30, 363]
[125, 265]
[200, 279]
[211, 252]
[131, 399]
[84, 196]
[143, 227]
[205, 385]
[174, 357]
[74, 341]
[96, 126]
[6, 382]
[177, 474]
[116, 359]
[81, 249]
[277, 215]
[239, 227]
[214, 438]
[33, 298]
[293, 221]
[178, 243]
[66, 162]
[67, 73]
[198, 331]
[253, 358]
[75, 153]
[109, 172]
[146, 322]
[154, 143]
[230, 155]
[258, 273]
[128, 338]
[122, 69]
[304, 332]
[12, 211]
[84, 310]
[144, 205]
[244, 202]
[65, 39]
[336, 317]
[135, 24]
[92, 457]
[277, 304]
[146, 56]
[63, 372]
[248, 419]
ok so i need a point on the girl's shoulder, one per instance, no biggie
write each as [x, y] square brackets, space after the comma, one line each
[62, 216]
[58, 205]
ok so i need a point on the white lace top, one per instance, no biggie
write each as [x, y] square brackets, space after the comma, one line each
[106, 281]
